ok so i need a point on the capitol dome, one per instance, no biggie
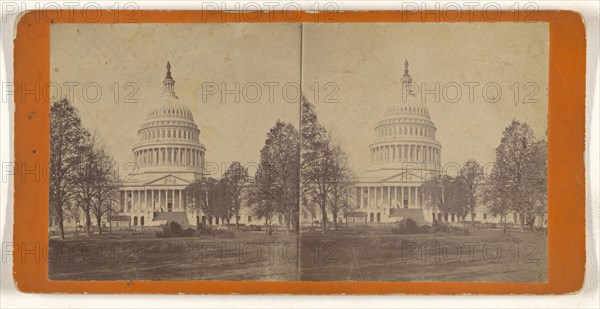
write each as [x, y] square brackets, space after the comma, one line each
[405, 133]
[169, 137]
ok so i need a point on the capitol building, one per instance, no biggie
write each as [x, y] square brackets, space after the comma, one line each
[403, 156]
[169, 156]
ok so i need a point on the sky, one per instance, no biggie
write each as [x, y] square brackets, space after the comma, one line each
[204, 57]
[366, 61]
[351, 72]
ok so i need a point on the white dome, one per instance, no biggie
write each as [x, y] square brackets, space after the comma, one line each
[405, 133]
[169, 139]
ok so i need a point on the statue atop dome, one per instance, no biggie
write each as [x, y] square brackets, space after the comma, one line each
[406, 81]
[169, 83]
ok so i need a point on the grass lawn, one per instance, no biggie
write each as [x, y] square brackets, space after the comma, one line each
[357, 254]
[142, 256]
[375, 254]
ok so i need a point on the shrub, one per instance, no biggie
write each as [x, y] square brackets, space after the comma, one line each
[203, 230]
[441, 227]
[207, 230]
[459, 231]
[406, 226]
[224, 234]
[171, 229]
[411, 225]
[425, 229]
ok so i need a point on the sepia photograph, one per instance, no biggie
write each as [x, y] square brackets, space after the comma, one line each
[399, 152]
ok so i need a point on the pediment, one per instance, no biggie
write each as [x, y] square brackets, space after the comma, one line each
[402, 177]
[168, 180]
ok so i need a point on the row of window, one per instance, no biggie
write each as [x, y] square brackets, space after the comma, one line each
[170, 112]
[409, 153]
[406, 130]
[408, 110]
[169, 133]
[181, 156]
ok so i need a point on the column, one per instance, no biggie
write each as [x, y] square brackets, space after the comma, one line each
[132, 209]
[410, 197]
[151, 193]
[133, 200]
[180, 205]
[416, 196]
[121, 201]
[402, 198]
[375, 195]
[159, 206]
[396, 196]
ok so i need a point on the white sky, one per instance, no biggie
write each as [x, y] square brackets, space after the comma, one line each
[364, 61]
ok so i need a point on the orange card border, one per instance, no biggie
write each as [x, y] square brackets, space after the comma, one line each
[566, 132]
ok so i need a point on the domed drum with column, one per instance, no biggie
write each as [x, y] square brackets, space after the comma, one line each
[403, 156]
[168, 157]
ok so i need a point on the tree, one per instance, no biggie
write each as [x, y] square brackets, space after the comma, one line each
[313, 136]
[277, 178]
[223, 202]
[323, 166]
[495, 196]
[107, 187]
[310, 208]
[236, 179]
[471, 179]
[262, 195]
[319, 176]
[447, 195]
[66, 137]
[85, 177]
[521, 162]
[342, 186]
[541, 183]
[204, 194]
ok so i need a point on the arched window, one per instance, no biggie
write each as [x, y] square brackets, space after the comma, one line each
[135, 221]
[142, 220]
